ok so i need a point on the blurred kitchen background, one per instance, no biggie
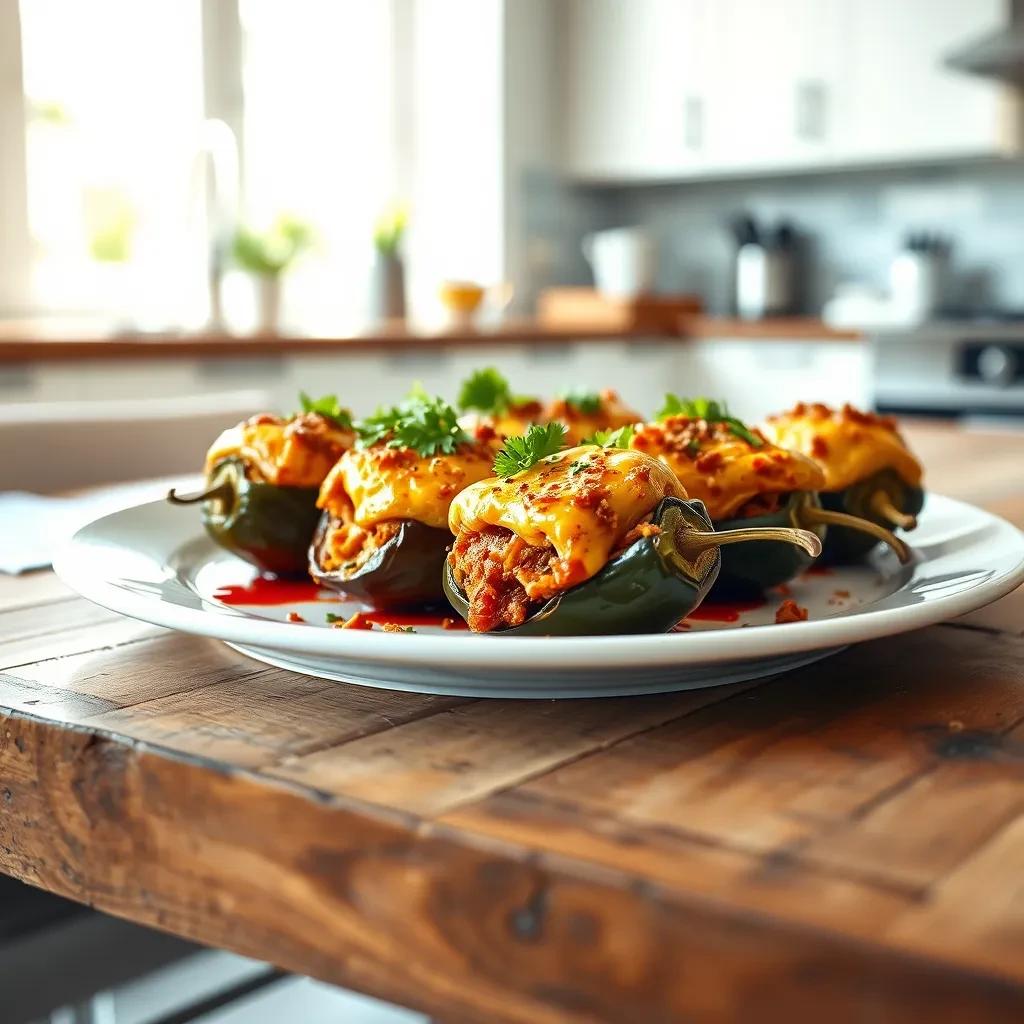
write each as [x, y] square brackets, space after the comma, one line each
[206, 205]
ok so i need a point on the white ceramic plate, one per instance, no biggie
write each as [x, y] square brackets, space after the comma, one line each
[154, 563]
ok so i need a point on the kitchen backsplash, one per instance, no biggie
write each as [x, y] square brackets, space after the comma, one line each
[852, 224]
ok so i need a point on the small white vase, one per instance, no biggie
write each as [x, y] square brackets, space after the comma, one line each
[268, 303]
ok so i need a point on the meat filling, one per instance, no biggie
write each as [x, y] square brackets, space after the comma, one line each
[500, 573]
[347, 546]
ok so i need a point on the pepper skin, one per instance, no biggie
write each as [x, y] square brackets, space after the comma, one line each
[845, 546]
[747, 571]
[405, 571]
[647, 588]
[264, 524]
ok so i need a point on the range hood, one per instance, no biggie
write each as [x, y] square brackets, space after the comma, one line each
[999, 54]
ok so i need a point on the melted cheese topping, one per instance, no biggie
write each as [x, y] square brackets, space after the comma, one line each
[296, 452]
[611, 415]
[513, 422]
[371, 485]
[847, 444]
[582, 502]
[722, 469]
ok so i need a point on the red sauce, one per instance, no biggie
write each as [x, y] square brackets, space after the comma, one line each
[725, 611]
[268, 590]
[818, 570]
[415, 619]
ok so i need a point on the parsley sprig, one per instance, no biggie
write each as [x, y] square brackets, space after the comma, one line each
[485, 390]
[709, 410]
[586, 402]
[425, 423]
[520, 453]
[611, 438]
[329, 407]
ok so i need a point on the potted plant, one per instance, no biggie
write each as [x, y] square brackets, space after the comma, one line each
[266, 255]
[388, 286]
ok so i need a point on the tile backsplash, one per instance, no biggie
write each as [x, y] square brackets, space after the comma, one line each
[851, 223]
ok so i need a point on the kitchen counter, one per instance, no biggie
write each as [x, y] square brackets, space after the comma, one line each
[35, 342]
[840, 842]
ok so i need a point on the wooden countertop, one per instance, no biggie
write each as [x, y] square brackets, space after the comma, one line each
[843, 842]
[25, 342]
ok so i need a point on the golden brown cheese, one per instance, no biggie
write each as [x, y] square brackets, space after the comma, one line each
[848, 445]
[372, 485]
[513, 422]
[295, 452]
[582, 501]
[722, 469]
[612, 414]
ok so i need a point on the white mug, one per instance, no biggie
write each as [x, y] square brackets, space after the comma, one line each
[622, 260]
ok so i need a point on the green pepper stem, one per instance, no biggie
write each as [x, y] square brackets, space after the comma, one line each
[219, 491]
[695, 541]
[882, 505]
[811, 516]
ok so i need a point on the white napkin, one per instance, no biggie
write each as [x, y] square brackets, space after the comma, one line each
[34, 526]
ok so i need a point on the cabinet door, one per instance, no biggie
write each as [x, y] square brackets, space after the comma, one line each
[901, 100]
[626, 111]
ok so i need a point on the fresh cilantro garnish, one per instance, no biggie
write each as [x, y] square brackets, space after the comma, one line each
[578, 466]
[485, 390]
[327, 406]
[611, 438]
[424, 423]
[586, 402]
[332, 618]
[520, 453]
[709, 410]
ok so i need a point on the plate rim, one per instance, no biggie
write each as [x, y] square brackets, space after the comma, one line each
[604, 652]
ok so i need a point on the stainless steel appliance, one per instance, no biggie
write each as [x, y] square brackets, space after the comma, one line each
[951, 368]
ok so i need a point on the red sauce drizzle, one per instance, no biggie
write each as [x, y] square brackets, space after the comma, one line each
[818, 570]
[269, 590]
[725, 611]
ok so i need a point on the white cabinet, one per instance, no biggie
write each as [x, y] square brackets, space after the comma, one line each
[663, 89]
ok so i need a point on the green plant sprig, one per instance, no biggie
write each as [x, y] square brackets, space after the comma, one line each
[611, 438]
[327, 406]
[427, 424]
[486, 391]
[709, 410]
[586, 402]
[522, 453]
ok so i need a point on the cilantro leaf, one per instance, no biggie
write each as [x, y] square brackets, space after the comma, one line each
[611, 438]
[711, 411]
[426, 424]
[586, 402]
[329, 407]
[520, 453]
[485, 390]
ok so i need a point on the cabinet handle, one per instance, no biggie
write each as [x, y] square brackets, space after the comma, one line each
[810, 110]
[693, 122]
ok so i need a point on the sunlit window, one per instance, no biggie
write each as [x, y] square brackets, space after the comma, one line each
[113, 92]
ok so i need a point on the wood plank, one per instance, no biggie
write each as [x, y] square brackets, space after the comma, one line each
[266, 717]
[30, 588]
[66, 642]
[436, 763]
[475, 932]
[769, 770]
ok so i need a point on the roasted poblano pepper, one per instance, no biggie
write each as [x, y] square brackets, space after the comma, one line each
[883, 498]
[649, 586]
[267, 525]
[746, 572]
[405, 571]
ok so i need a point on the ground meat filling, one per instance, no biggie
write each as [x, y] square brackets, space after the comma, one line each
[496, 569]
[347, 546]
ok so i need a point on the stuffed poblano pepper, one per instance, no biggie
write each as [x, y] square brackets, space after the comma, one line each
[745, 481]
[584, 413]
[382, 537]
[262, 480]
[869, 471]
[589, 540]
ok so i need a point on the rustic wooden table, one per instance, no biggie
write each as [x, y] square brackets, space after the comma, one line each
[843, 843]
